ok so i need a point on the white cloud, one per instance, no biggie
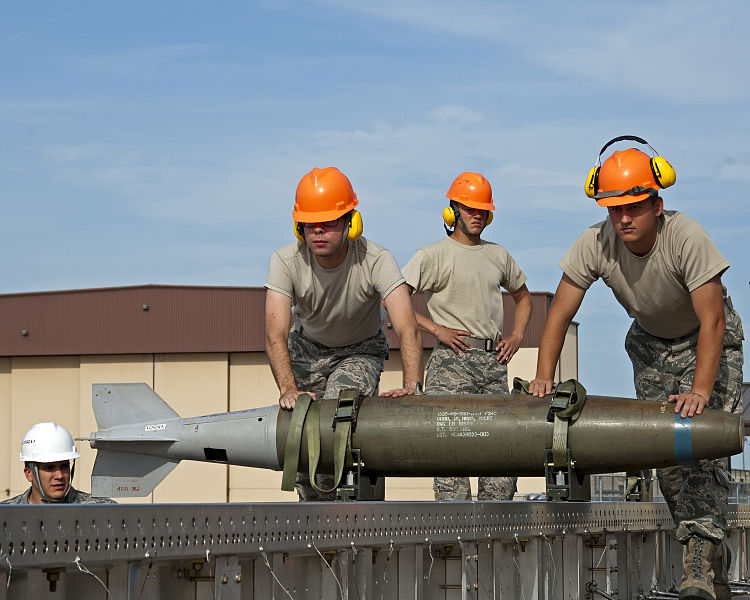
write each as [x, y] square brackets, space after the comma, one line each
[475, 18]
[461, 115]
[697, 54]
[696, 60]
[71, 153]
[394, 168]
[147, 58]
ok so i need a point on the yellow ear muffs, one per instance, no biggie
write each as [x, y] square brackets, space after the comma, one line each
[592, 182]
[298, 232]
[354, 232]
[664, 173]
[449, 216]
[355, 226]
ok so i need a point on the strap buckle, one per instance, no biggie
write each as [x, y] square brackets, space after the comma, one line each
[567, 401]
[346, 407]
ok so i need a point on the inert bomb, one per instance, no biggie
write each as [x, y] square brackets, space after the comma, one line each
[141, 439]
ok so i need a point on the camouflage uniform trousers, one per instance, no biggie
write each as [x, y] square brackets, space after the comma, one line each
[326, 371]
[471, 372]
[697, 494]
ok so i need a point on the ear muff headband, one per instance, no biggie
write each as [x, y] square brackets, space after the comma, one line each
[450, 216]
[354, 232]
[623, 138]
[664, 173]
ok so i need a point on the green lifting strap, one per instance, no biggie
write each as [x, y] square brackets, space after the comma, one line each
[567, 402]
[293, 442]
[520, 385]
[341, 447]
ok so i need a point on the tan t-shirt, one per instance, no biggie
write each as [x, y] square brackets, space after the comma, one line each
[340, 306]
[654, 289]
[462, 284]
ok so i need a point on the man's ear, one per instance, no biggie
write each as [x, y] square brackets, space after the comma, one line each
[27, 472]
[658, 206]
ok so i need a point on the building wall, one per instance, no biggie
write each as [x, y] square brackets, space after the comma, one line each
[6, 449]
[58, 388]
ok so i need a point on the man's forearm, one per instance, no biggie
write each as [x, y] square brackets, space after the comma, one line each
[411, 357]
[550, 347]
[281, 364]
[708, 356]
[709, 308]
[426, 324]
[565, 304]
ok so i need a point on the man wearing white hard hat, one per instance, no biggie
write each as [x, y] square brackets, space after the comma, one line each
[47, 451]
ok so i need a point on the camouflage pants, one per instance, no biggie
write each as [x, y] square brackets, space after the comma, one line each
[326, 371]
[471, 372]
[697, 494]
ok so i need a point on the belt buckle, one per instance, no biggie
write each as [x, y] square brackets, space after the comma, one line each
[493, 342]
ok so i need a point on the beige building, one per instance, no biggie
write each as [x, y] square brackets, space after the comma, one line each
[202, 351]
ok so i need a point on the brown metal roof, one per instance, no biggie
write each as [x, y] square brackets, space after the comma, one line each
[149, 319]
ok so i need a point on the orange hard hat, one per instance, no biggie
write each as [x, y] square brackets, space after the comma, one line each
[627, 172]
[323, 195]
[472, 190]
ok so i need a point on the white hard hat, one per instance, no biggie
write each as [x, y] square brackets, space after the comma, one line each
[47, 442]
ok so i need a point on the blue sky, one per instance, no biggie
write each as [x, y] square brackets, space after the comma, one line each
[161, 142]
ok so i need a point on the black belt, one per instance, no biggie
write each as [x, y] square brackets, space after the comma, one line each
[676, 340]
[486, 344]
[682, 338]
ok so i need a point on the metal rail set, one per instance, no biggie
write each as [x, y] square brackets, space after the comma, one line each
[354, 551]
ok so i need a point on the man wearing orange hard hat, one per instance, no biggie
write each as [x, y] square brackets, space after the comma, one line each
[462, 277]
[329, 287]
[685, 341]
